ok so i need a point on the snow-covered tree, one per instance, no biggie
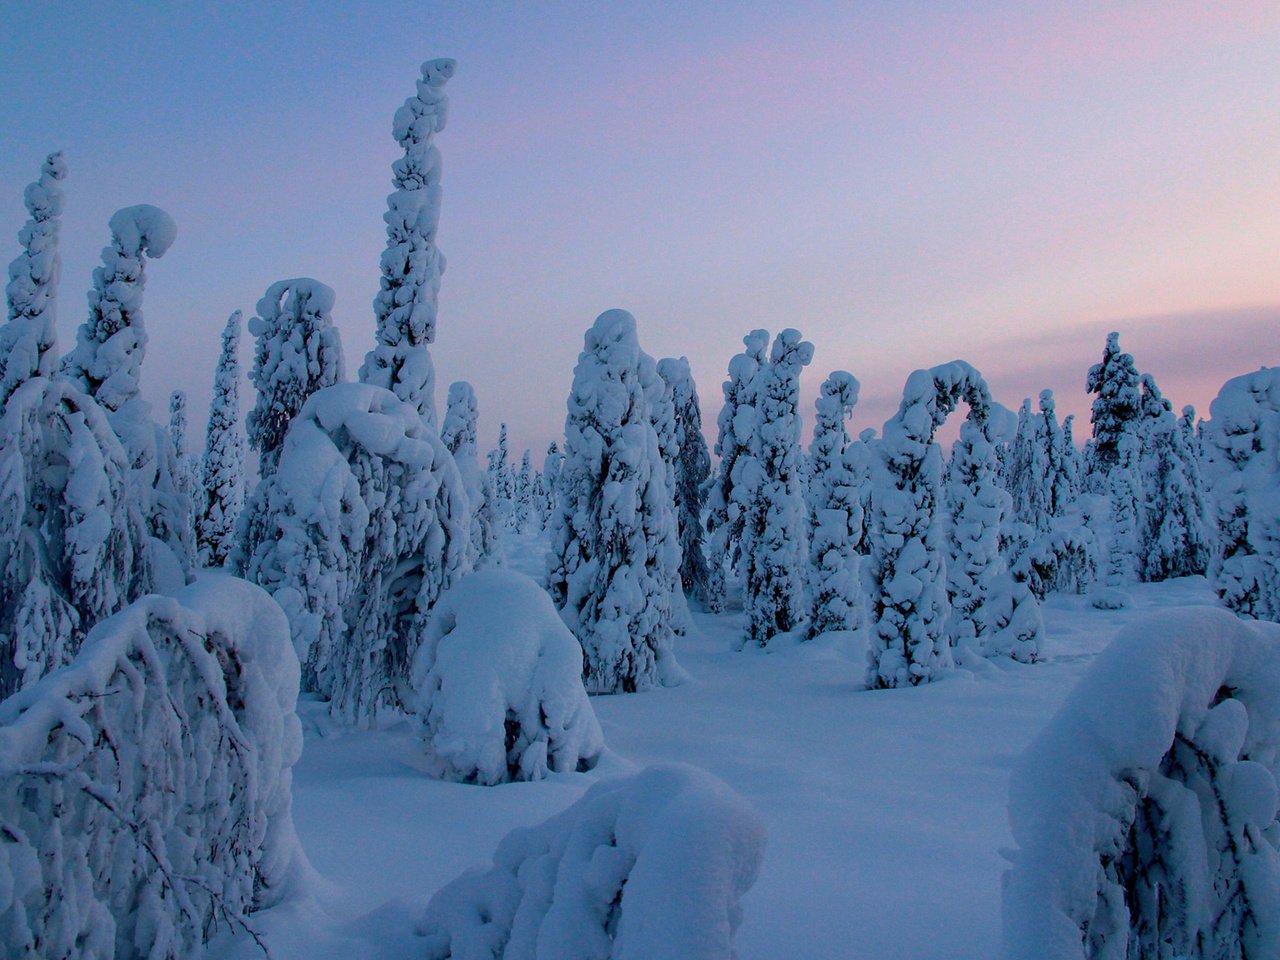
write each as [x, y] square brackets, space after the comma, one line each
[502, 481]
[774, 535]
[525, 518]
[29, 338]
[223, 479]
[550, 471]
[73, 538]
[1124, 487]
[692, 471]
[1116, 405]
[1071, 473]
[662, 414]
[1175, 538]
[904, 573]
[145, 789]
[298, 352]
[1059, 471]
[736, 424]
[614, 544]
[459, 435]
[1242, 467]
[356, 577]
[835, 512]
[1030, 473]
[406, 303]
[183, 471]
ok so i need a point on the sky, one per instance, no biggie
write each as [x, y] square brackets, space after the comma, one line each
[906, 183]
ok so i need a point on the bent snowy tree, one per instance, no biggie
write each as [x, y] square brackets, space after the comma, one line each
[145, 788]
[1145, 813]
[905, 572]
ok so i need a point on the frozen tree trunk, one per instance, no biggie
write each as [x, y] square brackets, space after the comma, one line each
[223, 479]
[692, 472]
[459, 435]
[614, 545]
[406, 304]
[29, 338]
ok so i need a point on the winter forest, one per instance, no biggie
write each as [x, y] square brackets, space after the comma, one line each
[327, 678]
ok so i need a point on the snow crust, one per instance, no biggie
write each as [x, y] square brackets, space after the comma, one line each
[498, 681]
[652, 865]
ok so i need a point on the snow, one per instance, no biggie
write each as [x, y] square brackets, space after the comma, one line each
[498, 681]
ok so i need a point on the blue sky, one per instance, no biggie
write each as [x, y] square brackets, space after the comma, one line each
[903, 182]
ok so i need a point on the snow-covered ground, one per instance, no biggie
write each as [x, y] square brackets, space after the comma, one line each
[886, 810]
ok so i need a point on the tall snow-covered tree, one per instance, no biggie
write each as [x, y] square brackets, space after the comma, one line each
[614, 544]
[775, 528]
[223, 479]
[692, 470]
[662, 414]
[525, 516]
[835, 512]
[407, 301]
[1114, 380]
[502, 481]
[459, 435]
[1124, 548]
[1029, 472]
[1173, 532]
[1071, 472]
[737, 424]
[182, 471]
[29, 338]
[1059, 491]
[550, 471]
[298, 352]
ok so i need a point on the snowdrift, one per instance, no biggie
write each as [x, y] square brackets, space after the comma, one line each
[1145, 813]
[145, 788]
[652, 865]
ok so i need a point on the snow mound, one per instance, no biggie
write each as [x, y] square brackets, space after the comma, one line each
[499, 684]
[1145, 813]
[145, 788]
[652, 865]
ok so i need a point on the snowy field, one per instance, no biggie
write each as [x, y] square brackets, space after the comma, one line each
[886, 810]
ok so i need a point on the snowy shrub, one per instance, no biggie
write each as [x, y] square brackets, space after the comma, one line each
[28, 339]
[459, 435]
[1145, 813]
[357, 585]
[407, 300]
[652, 865]
[1242, 453]
[73, 541]
[1064, 560]
[498, 681]
[835, 512]
[692, 471]
[223, 478]
[145, 788]
[614, 546]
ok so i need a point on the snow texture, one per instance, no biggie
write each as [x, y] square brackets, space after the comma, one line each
[652, 865]
[615, 550]
[406, 303]
[459, 435]
[223, 477]
[145, 789]
[29, 338]
[498, 681]
[1145, 813]
[73, 541]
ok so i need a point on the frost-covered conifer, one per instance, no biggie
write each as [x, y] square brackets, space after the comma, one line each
[835, 512]
[525, 516]
[859, 458]
[502, 481]
[1029, 472]
[1116, 406]
[1242, 466]
[223, 480]
[297, 353]
[406, 304]
[736, 424]
[692, 471]
[28, 339]
[459, 435]
[1058, 490]
[904, 573]
[662, 414]
[550, 471]
[1071, 472]
[183, 472]
[774, 532]
[1124, 487]
[614, 545]
[1175, 538]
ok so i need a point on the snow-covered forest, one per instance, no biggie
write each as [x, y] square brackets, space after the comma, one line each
[327, 678]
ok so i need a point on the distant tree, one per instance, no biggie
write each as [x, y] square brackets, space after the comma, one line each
[223, 478]
[525, 515]
[459, 436]
[835, 512]
[1114, 381]
[692, 471]
[502, 480]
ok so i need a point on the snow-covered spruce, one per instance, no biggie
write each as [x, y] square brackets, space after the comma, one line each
[73, 541]
[904, 573]
[651, 865]
[614, 545]
[355, 581]
[1114, 380]
[835, 512]
[736, 424]
[1060, 474]
[662, 414]
[297, 353]
[459, 435]
[145, 789]
[1124, 488]
[551, 465]
[498, 682]
[1145, 813]
[774, 538]
[525, 516]
[407, 301]
[1029, 476]
[28, 339]
[692, 470]
[182, 470]
[502, 482]
[1242, 467]
[991, 613]
[223, 479]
